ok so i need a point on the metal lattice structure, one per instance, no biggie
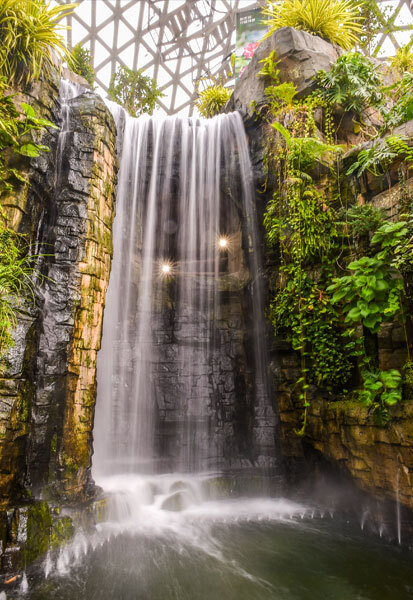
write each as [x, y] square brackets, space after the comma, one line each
[179, 42]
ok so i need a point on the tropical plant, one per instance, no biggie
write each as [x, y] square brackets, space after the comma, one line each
[212, 100]
[283, 94]
[305, 152]
[80, 62]
[16, 268]
[16, 135]
[402, 109]
[311, 322]
[353, 82]
[29, 34]
[337, 21]
[358, 221]
[390, 236]
[380, 155]
[16, 272]
[380, 390]
[136, 92]
[270, 68]
[371, 294]
[402, 61]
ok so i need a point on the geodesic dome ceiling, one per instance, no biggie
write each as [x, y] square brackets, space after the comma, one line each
[179, 42]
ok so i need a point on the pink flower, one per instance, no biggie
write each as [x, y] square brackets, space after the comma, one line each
[250, 49]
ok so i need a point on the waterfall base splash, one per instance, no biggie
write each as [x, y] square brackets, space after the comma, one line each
[163, 539]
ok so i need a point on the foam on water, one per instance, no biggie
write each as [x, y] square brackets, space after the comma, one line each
[173, 510]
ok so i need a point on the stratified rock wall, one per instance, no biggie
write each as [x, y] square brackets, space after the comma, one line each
[380, 459]
[25, 208]
[48, 387]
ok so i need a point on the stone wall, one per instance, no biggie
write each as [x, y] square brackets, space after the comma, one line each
[379, 459]
[47, 389]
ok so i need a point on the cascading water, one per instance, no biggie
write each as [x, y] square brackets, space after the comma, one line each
[182, 363]
[170, 385]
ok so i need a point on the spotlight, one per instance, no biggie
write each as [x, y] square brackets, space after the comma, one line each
[165, 268]
[223, 243]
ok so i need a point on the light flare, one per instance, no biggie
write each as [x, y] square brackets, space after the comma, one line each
[166, 268]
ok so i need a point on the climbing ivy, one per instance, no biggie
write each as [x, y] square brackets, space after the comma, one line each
[328, 315]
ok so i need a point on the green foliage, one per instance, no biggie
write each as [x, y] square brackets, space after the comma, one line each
[380, 155]
[370, 295]
[300, 221]
[396, 241]
[16, 268]
[212, 100]
[337, 21]
[323, 316]
[80, 62]
[389, 236]
[16, 135]
[29, 33]
[402, 259]
[270, 67]
[311, 321]
[358, 221]
[408, 378]
[16, 271]
[304, 152]
[402, 109]
[137, 93]
[381, 389]
[402, 61]
[353, 82]
[284, 93]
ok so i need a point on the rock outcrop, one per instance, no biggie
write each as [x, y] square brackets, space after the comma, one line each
[379, 459]
[300, 55]
[47, 387]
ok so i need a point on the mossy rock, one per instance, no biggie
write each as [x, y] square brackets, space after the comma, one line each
[38, 530]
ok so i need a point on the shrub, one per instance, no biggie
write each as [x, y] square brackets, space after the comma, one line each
[136, 92]
[353, 82]
[212, 99]
[358, 221]
[336, 21]
[371, 294]
[28, 37]
[380, 390]
[80, 62]
[402, 62]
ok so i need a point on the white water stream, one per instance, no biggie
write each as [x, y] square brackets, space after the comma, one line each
[185, 208]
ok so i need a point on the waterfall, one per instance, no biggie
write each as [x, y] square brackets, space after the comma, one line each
[181, 384]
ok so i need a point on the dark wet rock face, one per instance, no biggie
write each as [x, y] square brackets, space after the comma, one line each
[48, 389]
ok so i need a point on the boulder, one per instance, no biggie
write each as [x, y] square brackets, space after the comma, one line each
[300, 56]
